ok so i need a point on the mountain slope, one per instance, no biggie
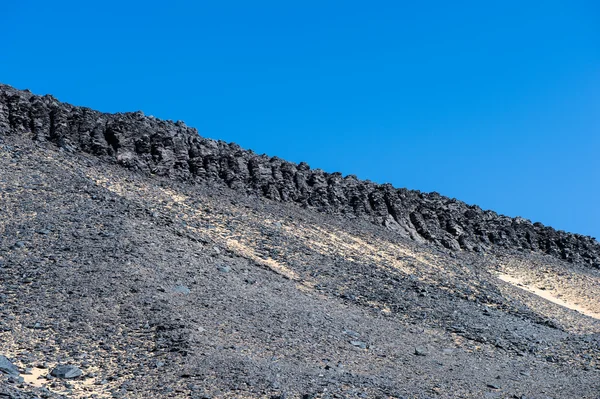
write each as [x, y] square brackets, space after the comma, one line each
[173, 149]
[184, 287]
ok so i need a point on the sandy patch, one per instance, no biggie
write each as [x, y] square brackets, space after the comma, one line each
[547, 295]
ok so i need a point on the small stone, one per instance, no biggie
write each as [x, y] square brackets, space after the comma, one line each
[15, 379]
[7, 367]
[181, 289]
[19, 244]
[493, 386]
[420, 351]
[359, 344]
[224, 269]
[66, 371]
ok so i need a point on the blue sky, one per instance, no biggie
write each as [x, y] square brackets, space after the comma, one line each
[494, 103]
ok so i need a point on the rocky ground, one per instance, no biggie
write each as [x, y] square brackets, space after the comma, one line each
[115, 282]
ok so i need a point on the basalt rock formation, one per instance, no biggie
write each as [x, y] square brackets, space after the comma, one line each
[173, 149]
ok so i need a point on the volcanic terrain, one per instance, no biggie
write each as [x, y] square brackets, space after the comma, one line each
[138, 259]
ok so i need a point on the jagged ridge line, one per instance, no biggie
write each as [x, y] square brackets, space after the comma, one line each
[173, 149]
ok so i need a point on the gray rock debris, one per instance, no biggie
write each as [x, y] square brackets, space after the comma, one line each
[66, 372]
[359, 344]
[420, 351]
[7, 367]
[351, 333]
[181, 289]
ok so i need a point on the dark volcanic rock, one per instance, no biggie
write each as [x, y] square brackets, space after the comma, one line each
[7, 367]
[66, 372]
[173, 149]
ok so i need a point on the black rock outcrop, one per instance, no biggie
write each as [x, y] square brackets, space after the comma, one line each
[169, 148]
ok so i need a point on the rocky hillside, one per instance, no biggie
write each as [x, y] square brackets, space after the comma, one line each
[169, 148]
[200, 270]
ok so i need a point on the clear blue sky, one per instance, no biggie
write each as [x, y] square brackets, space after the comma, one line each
[494, 103]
